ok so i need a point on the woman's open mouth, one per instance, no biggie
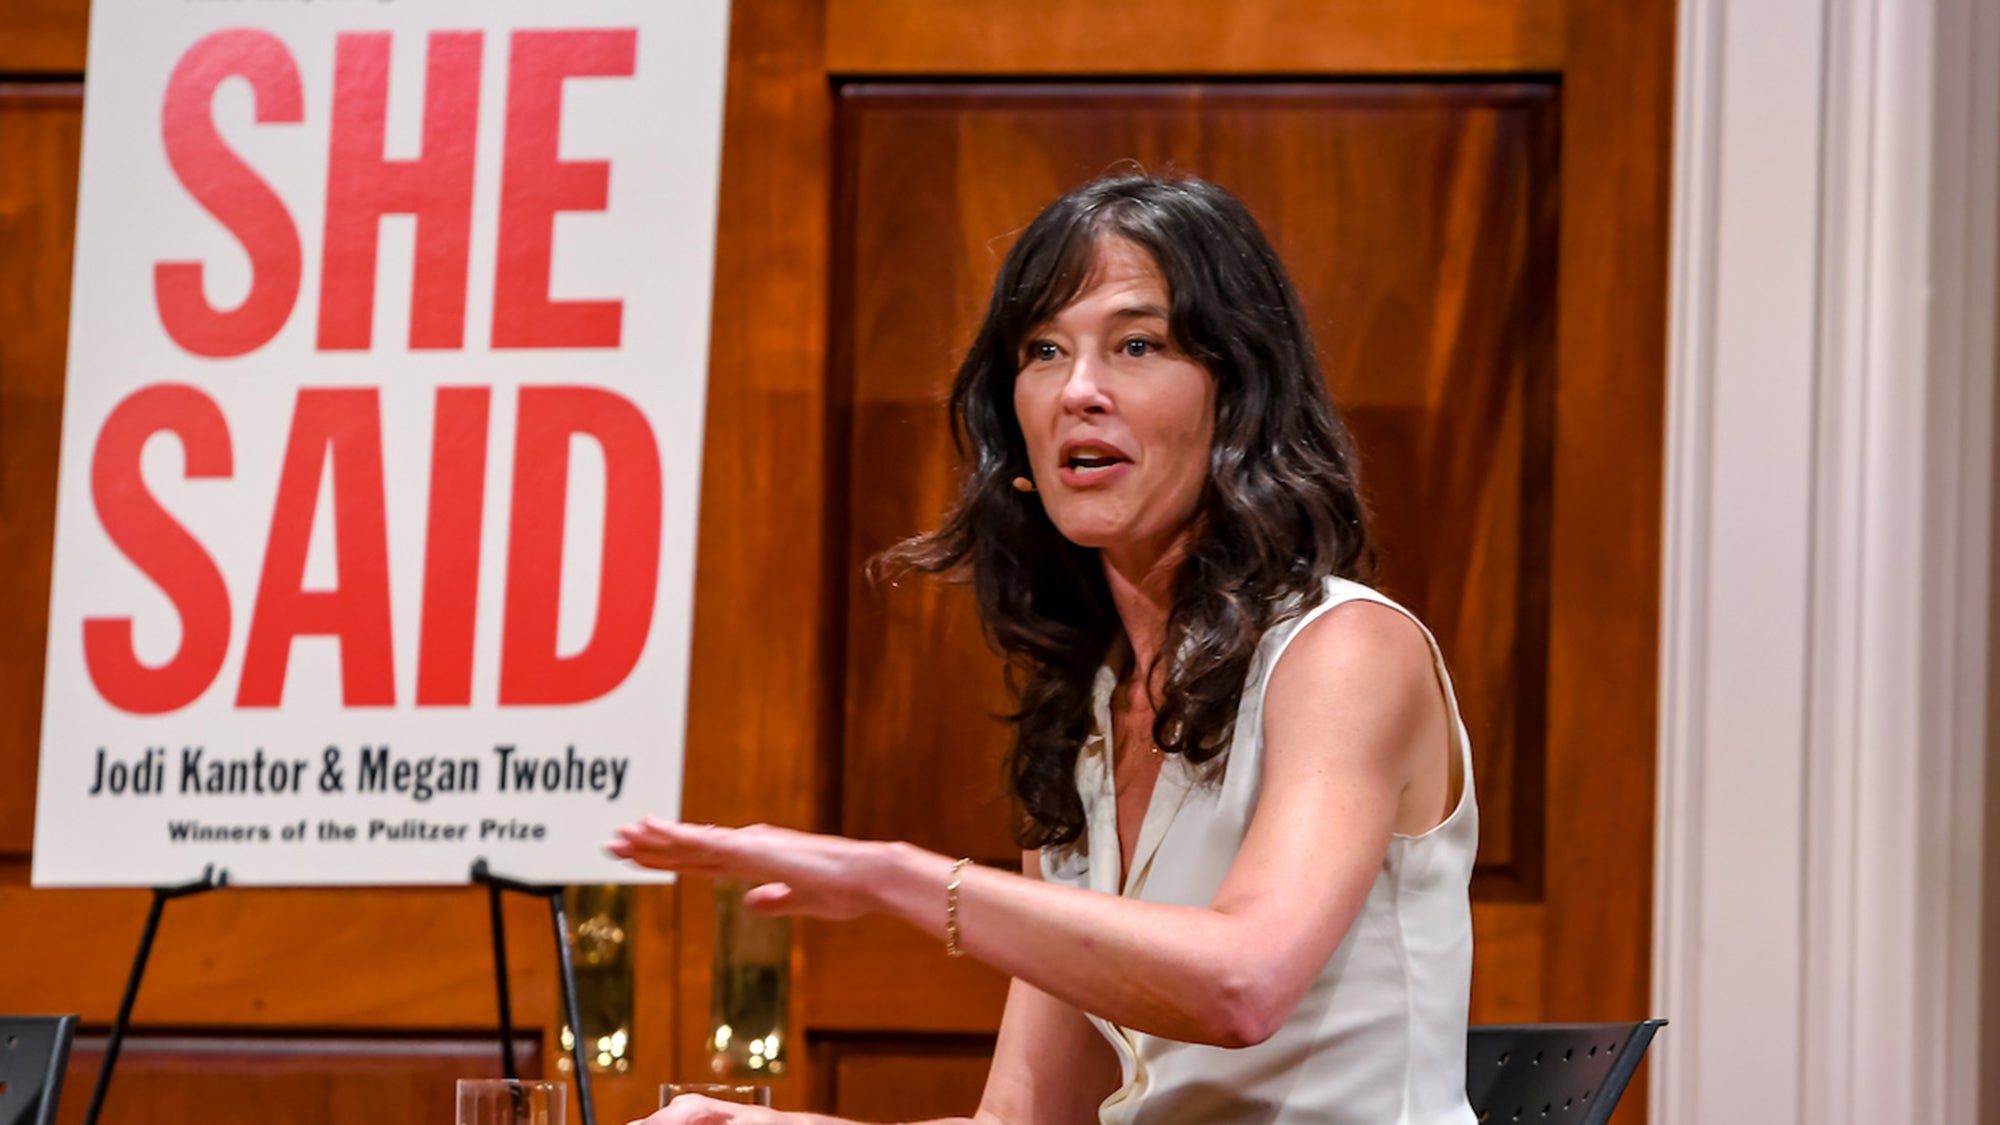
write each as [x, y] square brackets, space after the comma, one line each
[1089, 463]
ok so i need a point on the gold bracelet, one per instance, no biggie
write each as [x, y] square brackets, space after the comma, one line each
[951, 948]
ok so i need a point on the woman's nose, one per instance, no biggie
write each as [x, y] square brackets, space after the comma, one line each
[1082, 391]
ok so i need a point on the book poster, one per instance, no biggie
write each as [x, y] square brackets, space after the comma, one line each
[381, 438]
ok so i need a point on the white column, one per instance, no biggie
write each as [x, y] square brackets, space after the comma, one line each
[1827, 561]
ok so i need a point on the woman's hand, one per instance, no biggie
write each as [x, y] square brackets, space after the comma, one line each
[693, 1109]
[796, 872]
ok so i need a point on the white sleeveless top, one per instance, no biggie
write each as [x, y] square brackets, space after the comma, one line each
[1379, 1038]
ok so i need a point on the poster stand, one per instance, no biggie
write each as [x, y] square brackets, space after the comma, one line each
[566, 974]
[213, 879]
[210, 880]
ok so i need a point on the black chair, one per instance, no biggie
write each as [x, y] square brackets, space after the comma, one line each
[33, 1052]
[1567, 1073]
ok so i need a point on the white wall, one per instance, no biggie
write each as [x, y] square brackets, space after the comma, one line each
[1828, 562]
[1989, 1024]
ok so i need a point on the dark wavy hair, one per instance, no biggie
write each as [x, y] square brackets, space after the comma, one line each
[1281, 509]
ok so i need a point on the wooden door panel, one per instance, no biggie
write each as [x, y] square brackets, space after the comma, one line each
[903, 1078]
[1508, 950]
[876, 974]
[40, 135]
[1422, 224]
[763, 686]
[318, 1080]
[254, 963]
[922, 37]
[405, 959]
[43, 36]
[1419, 223]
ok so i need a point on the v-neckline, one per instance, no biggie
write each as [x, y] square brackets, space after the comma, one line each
[1162, 804]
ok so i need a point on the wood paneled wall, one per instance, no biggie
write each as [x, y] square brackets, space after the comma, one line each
[980, 38]
[318, 1080]
[40, 133]
[1497, 328]
[43, 38]
[1551, 374]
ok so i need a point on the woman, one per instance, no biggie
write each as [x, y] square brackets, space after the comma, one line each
[1244, 787]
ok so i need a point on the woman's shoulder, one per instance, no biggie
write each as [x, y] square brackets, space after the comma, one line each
[1362, 627]
[1365, 668]
[1356, 604]
[1352, 634]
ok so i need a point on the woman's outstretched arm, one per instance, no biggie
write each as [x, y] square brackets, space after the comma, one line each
[1353, 714]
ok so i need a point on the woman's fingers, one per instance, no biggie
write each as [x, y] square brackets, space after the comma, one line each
[798, 873]
[770, 899]
[759, 853]
[661, 861]
[690, 849]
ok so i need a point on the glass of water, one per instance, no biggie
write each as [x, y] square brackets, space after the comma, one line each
[722, 1092]
[511, 1101]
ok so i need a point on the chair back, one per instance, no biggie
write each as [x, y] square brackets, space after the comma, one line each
[33, 1053]
[1552, 1073]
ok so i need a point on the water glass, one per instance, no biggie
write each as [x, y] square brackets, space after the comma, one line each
[511, 1101]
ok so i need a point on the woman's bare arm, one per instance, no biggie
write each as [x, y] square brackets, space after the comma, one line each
[1353, 713]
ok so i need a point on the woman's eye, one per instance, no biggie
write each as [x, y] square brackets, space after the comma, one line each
[1041, 351]
[1138, 347]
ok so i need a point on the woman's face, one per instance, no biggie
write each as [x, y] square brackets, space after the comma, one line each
[1118, 423]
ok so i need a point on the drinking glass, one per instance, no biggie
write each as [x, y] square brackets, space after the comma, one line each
[511, 1101]
[722, 1092]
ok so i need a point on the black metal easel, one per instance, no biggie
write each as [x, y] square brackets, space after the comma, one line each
[211, 879]
[495, 884]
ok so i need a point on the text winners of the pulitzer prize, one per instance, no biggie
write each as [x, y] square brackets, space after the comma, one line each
[377, 830]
